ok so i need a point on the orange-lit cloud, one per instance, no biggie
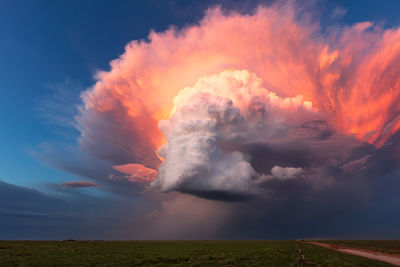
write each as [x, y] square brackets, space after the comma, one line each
[350, 75]
[137, 172]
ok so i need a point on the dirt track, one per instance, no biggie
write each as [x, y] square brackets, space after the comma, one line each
[375, 255]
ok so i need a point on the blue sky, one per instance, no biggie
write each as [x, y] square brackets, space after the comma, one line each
[45, 44]
[50, 51]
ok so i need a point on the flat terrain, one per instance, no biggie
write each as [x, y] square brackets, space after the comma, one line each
[385, 246]
[377, 250]
[164, 253]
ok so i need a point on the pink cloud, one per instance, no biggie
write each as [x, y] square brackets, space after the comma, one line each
[350, 76]
[137, 172]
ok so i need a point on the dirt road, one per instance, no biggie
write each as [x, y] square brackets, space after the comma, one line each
[375, 255]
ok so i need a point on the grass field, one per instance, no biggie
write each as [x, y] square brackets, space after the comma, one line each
[165, 253]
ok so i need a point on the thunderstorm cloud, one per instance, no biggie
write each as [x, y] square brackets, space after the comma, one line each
[224, 108]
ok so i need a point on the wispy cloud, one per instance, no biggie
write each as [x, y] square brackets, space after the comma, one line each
[78, 184]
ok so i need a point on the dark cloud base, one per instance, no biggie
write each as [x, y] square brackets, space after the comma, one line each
[353, 209]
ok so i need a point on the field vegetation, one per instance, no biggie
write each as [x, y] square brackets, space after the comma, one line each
[167, 253]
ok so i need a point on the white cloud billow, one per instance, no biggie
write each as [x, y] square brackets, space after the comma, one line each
[210, 119]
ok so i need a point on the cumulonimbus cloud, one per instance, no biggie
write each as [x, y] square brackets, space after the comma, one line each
[228, 99]
[212, 124]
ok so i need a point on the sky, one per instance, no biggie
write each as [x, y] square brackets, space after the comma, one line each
[274, 119]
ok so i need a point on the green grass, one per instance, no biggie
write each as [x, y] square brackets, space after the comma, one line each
[387, 246]
[163, 253]
[166, 253]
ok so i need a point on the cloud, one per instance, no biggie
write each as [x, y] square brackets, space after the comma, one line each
[313, 88]
[217, 114]
[228, 135]
[357, 165]
[338, 12]
[78, 184]
[286, 49]
[69, 158]
[28, 213]
[137, 172]
[286, 172]
[60, 105]
[266, 107]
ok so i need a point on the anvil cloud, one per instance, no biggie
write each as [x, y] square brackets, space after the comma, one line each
[230, 107]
